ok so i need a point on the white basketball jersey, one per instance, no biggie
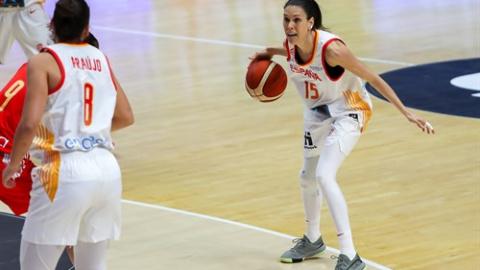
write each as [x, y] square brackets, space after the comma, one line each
[78, 114]
[334, 89]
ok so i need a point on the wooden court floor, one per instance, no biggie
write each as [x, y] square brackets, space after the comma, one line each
[200, 144]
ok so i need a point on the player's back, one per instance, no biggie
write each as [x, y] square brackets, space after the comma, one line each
[79, 111]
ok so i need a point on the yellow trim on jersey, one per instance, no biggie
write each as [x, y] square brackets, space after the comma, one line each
[81, 44]
[49, 171]
[356, 103]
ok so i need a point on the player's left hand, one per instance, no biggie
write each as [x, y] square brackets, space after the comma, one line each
[421, 123]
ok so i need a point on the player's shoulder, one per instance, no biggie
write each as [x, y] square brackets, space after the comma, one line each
[326, 34]
[41, 56]
[41, 60]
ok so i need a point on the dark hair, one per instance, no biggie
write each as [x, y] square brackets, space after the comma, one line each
[70, 19]
[90, 39]
[311, 8]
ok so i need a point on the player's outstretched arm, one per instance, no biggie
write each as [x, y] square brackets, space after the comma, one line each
[337, 53]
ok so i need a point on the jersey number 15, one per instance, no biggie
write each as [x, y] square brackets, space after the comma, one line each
[311, 91]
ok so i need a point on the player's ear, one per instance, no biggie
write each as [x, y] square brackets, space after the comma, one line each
[311, 23]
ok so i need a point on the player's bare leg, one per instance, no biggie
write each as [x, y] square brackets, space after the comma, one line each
[69, 250]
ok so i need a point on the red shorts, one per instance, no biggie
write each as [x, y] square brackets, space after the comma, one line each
[17, 198]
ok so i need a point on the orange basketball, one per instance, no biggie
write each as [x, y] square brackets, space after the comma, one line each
[266, 80]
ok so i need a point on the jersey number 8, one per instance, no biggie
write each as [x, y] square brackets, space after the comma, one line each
[87, 104]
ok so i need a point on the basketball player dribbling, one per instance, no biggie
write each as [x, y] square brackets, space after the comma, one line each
[76, 192]
[25, 21]
[11, 104]
[328, 78]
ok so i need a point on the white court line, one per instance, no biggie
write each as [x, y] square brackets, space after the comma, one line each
[228, 43]
[246, 226]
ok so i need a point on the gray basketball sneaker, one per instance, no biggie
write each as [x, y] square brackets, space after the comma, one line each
[303, 249]
[344, 263]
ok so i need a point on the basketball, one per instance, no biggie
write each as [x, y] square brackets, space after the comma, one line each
[266, 80]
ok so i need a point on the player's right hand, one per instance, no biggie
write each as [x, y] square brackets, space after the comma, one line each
[8, 177]
[261, 55]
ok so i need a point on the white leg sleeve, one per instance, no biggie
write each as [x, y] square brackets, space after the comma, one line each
[312, 198]
[39, 257]
[330, 160]
[91, 256]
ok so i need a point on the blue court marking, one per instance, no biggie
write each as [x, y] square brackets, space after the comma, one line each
[429, 87]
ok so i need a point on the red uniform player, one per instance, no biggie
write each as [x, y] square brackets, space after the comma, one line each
[11, 105]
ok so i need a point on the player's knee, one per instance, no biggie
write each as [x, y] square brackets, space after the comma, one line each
[307, 180]
[324, 177]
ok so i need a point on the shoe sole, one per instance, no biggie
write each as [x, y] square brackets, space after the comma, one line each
[296, 260]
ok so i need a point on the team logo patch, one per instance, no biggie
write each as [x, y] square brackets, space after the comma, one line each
[308, 142]
[451, 87]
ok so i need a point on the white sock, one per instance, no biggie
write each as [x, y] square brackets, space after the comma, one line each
[346, 244]
[313, 231]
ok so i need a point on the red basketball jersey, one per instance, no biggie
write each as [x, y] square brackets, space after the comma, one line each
[12, 97]
[11, 105]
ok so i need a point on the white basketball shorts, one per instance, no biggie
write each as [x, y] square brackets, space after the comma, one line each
[86, 206]
[27, 25]
[321, 130]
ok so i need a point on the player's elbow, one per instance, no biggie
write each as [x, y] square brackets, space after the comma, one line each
[26, 127]
[122, 121]
[129, 120]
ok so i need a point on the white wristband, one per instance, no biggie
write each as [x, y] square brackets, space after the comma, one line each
[429, 126]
